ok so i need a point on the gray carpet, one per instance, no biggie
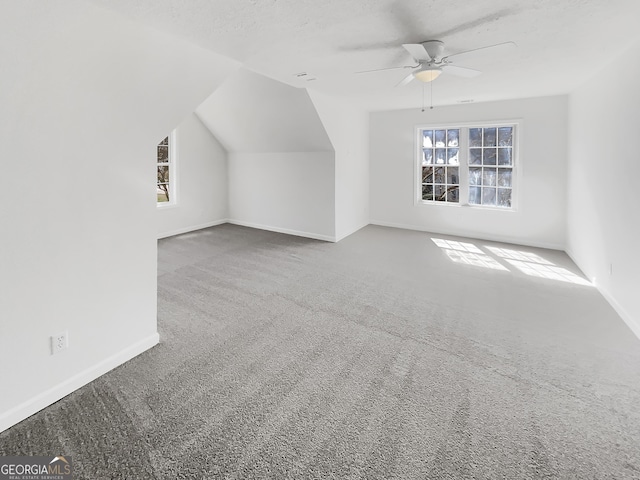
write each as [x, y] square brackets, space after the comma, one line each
[377, 357]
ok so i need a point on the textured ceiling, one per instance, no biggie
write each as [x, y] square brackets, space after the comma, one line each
[560, 42]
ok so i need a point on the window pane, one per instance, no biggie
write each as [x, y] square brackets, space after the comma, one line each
[165, 141]
[427, 174]
[474, 195]
[427, 192]
[475, 176]
[163, 174]
[439, 175]
[475, 137]
[489, 196]
[427, 156]
[489, 177]
[505, 156]
[489, 156]
[505, 136]
[441, 136]
[452, 175]
[452, 138]
[453, 195]
[162, 196]
[504, 177]
[163, 153]
[475, 156]
[489, 137]
[504, 197]
[162, 192]
[439, 193]
[427, 138]
[452, 156]
[441, 155]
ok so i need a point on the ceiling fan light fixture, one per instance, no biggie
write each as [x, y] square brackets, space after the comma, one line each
[428, 74]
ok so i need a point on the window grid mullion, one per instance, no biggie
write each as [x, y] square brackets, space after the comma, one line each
[464, 165]
[463, 155]
[168, 166]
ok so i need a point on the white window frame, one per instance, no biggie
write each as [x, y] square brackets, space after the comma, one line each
[173, 178]
[463, 163]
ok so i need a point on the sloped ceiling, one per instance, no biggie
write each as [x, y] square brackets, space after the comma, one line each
[253, 113]
[62, 64]
[561, 42]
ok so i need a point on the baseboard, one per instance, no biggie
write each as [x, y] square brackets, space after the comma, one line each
[52, 395]
[342, 237]
[297, 233]
[191, 228]
[633, 324]
[473, 235]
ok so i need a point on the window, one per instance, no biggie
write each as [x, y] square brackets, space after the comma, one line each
[491, 166]
[468, 165]
[166, 171]
[440, 170]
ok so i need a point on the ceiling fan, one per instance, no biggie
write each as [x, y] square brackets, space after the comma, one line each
[430, 62]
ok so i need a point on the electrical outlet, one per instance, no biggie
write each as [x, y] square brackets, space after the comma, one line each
[59, 342]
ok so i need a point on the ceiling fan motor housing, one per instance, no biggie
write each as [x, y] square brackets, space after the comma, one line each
[434, 48]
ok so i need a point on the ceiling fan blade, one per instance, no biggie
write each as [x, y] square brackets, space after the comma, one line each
[388, 68]
[405, 80]
[417, 51]
[490, 18]
[491, 50]
[461, 71]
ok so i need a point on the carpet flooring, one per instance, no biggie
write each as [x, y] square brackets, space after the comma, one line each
[389, 355]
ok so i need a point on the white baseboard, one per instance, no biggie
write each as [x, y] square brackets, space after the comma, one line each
[473, 235]
[631, 323]
[341, 237]
[191, 228]
[52, 395]
[297, 233]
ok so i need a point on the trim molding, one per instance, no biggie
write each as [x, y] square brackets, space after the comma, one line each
[191, 228]
[488, 238]
[297, 233]
[342, 237]
[53, 394]
[633, 324]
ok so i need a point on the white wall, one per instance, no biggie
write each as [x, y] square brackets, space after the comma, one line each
[280, 159]
[348, 130]
[604, 168]
[253, 113]
[540, 217]
[285, 192]
[85, 96]
[201, 175]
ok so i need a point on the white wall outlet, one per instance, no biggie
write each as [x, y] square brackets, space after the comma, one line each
[59, 342]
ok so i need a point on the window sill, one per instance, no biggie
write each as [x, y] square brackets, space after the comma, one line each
[467, 205]
[166, 205]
